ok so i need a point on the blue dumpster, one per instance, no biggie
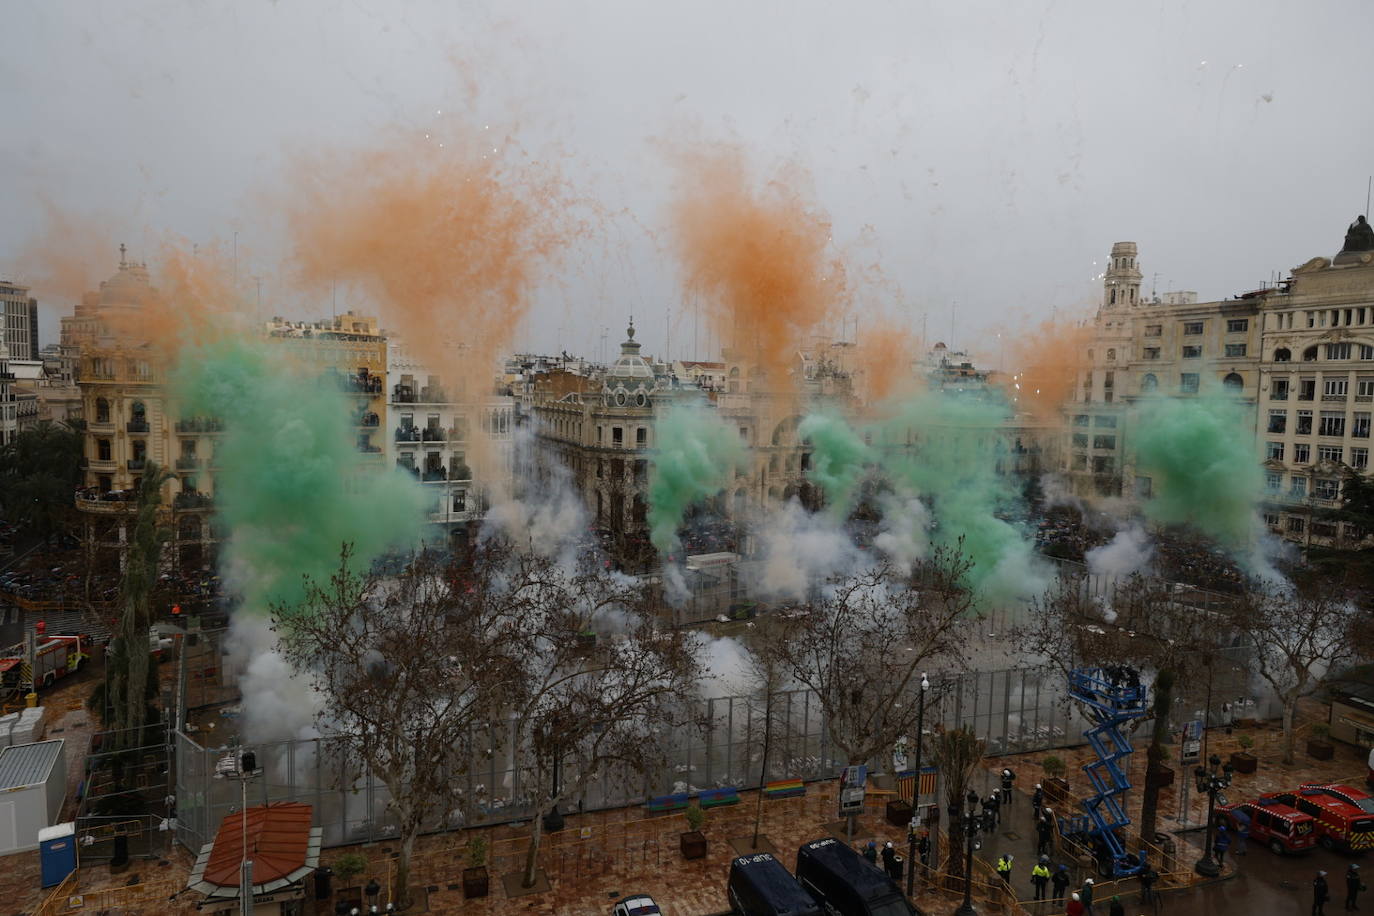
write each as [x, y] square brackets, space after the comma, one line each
[57, 852]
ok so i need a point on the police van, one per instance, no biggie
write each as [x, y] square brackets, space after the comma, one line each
[844, 884]
[760, 885]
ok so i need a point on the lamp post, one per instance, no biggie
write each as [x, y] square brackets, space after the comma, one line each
[1210, 779]
[242, 766]
[971, 843]
[916, 790]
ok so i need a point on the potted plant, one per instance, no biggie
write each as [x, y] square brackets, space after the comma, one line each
[1055, 785]
[1242, 761]
[476, 881]
[693, 842]
[1318, 748]
[347, 867]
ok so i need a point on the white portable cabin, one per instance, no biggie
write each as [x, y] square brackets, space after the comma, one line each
[33, 785]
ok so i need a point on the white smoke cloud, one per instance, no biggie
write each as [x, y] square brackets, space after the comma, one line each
[276, 704]
[799, 549]
[1129, 552]
[904, 536]
[729, 667]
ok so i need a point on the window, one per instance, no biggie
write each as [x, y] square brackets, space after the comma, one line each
[1283, 355]
[744, 434]
[1296, 525]
[1274, 451]
[1359, 458]
[1330, 453]
[1080, 440]
[1307, 389]
[1103, 421]
[102, 410]
[1192, 352]
[1364, 388]
[1104, 442]
[1188, 382]
[642, 436]
[1332, 424]
[1111, 354]
[1233, 381]
[1271, 519]
[1304, 427]
[1154, 330]
[1079, 463]
[598, 435]
[1104, 464]
[1150, 353]
[1273, 482]
[1237, 325]
[1326, 488]
[1338, 351]
[1359, 425]
[1149, 382]
[1278, 389]
[1302, 453]
[617, 435]
[1323, 530]
[1309, 355]
[1335, 388]
[1278, 421]
[460, 500]
[1192, 328]
[600, 468]
[1080, 419]
[102, 449]
[1366, 351]
[1235, 349]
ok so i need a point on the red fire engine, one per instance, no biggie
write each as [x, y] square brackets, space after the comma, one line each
[53, 657]
[1344, 814]
[1280, 827]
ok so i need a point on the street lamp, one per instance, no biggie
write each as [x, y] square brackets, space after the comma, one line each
[1210, 779]
[242, 766]
[916, 791]
[971, 843]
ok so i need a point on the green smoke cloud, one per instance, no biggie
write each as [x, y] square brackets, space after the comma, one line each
[1199, 454]
[838, 459]
[290, 487]
[696, 458]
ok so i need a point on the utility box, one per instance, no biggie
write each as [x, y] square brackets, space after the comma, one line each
[57, 852]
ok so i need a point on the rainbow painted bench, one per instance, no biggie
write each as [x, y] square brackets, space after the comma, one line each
[714, 798]
[784, 788]
[661, 804]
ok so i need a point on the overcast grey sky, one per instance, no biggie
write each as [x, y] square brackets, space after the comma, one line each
[994, 150]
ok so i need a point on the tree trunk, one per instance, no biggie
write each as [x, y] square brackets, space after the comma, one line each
[956, 844]
[532, 858]
[1290, 708]
[1154, 756]
[763, 767]
[402, 890]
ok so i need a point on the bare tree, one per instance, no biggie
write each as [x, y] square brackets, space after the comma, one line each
[1300, 634]
[958, 751]
[1141, 624]
[861, 648]
[408, 669]
[584, 710]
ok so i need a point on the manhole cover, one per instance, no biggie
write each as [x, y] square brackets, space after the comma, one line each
[1012, 835]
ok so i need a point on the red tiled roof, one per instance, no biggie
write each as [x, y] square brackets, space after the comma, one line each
[278, 837]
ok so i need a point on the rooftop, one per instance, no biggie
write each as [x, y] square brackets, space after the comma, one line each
[281, 844]
[28, 764]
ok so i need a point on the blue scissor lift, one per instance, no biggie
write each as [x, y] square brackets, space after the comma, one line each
[1111, 700]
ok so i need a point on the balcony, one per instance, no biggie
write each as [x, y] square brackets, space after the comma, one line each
[106, 503]
[367, 420]
[361, 384]
[189, 499]
[1334, 397]
[136, 426]
[433, 474]
[461, 472]
[99, 424]
[369, 449]
[402, 394]
[189, 463]
[200, 425]
[407, 434]
[136, 464]
[1307, 396]
[434, 395]
[429, 434]
[1278, 396]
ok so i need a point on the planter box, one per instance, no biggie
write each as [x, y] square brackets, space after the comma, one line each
[1242, 762]
[693, 844]
[1320, 750]
[1159, 777]
[476, 882]
[899, 812]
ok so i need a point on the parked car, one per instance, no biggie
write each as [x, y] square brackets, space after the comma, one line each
[1281, 827]
[636, 905]
[760, 885]
[844, 884]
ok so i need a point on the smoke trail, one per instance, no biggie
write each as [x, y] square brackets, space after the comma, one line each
[290, 487]
[696, 458]
[838, 459]
[759, 254]
[1200, 458]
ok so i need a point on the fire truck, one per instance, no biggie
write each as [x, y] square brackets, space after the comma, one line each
[53, 657]
[1281, 827]
[1344, 814]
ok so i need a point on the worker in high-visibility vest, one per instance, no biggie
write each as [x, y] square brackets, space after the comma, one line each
[1040, 877]
[1004, 868]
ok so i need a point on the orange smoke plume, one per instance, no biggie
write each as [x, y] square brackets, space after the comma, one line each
[1045, 361]
[760, 257]
[885, 359]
